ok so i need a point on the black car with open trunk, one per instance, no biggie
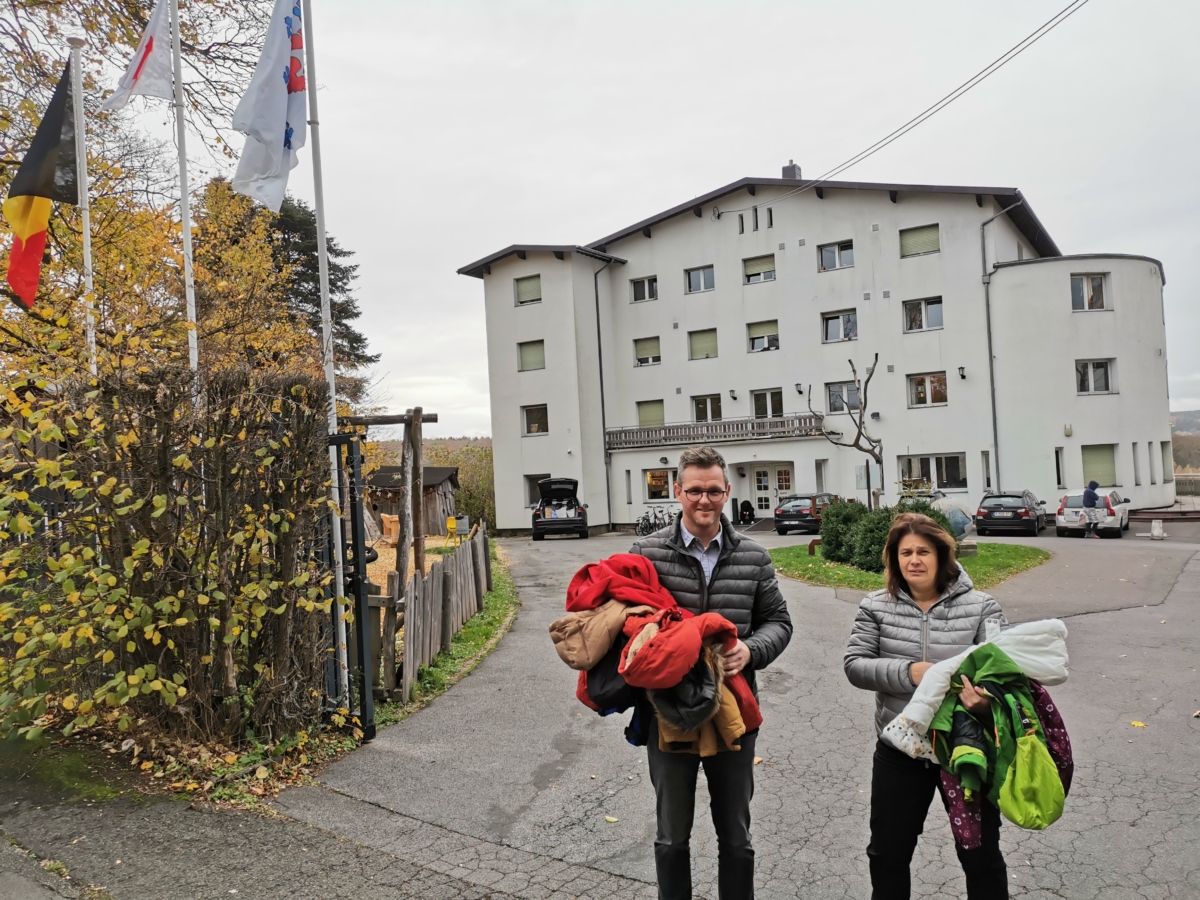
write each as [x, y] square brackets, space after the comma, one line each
[559, 510]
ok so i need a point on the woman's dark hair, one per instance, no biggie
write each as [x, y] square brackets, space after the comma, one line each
[941, 541]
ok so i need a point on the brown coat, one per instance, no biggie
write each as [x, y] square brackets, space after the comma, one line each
[583, 638]
[722, 731]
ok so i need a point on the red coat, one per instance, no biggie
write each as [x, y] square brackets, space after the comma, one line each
[623, 576]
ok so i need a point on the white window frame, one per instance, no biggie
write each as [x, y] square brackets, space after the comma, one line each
[768, 393]
[709, 398]
[1060, 467]
[841, 247]
[839, 314]
[649, 282]
[900, 240]
[525, 432]
[767, 345]
[517, 292]
[1087, 296]
[847, 408]
[936, 471]
[521, 344]
[671, 474]
[758, 277]
[687, 279]
[927, 377]
[701, 331]
[770, 217]
[650, 360]
[1111, 370]
[925, 326]
[638, 412]
[532, 496]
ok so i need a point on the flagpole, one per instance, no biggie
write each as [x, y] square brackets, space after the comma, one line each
[81, 168]
[185, 214]
[326, 341]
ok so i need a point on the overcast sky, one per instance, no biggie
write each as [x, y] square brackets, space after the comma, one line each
[453, 129]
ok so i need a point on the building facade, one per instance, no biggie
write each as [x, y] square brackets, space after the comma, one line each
[733, 320]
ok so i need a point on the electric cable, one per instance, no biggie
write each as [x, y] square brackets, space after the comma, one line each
[988, 70]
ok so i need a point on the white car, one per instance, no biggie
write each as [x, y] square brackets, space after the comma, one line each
[1114, 519]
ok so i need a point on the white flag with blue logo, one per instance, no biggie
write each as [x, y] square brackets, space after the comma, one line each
[272, 114]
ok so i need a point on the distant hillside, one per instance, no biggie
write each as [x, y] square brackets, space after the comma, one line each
[1186, 422]
[448, 445]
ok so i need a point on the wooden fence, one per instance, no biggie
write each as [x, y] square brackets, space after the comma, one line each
[438, 605]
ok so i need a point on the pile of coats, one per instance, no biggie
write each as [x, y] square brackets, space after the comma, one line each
[634, 647]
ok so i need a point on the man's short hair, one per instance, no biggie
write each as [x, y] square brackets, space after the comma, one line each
[700, 458]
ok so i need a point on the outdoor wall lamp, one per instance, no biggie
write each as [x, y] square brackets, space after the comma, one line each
[741, 471]
[1067, 431]
[799, 388]
[662, 460]
[732, 395]
[875, 415]
[962, 371]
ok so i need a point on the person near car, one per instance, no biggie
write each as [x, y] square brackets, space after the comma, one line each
[709, 567]
[1092, 505]
[929, 611]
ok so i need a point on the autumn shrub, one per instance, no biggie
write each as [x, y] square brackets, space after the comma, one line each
[837, 519]
[917, 505]
[158, 551]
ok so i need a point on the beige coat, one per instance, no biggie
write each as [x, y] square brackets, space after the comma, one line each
[583, 638]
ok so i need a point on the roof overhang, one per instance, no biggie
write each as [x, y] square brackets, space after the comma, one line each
[482, 267]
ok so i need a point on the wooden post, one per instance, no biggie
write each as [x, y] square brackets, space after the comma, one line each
[477, 549]
[418, 492]
[433, 636]
[389, 633]
[396, 593]
[411, 626]
[487, 555]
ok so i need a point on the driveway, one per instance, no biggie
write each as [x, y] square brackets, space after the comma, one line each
[506, 780]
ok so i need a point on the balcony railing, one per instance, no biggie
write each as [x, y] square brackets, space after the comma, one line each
[720, 432]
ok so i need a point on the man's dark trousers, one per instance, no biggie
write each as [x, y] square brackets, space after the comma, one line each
[730, 778]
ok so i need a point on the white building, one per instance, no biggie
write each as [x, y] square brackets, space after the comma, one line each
[721, 320]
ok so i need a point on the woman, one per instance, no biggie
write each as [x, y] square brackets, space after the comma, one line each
[928, 612]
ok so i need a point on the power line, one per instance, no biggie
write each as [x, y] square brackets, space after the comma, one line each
[990, 69]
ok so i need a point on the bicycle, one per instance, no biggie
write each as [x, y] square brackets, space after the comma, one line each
[651, 521]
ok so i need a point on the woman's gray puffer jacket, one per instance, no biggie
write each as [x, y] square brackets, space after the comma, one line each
[891, 632]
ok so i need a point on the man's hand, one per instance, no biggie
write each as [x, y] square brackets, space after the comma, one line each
[737, 658]
[917, 670]
[975, 701]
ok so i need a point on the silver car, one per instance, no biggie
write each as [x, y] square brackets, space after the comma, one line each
[1114, 514]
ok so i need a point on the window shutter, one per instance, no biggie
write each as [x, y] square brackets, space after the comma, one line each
[650, 414]
[759, 264]
[529, 289]
[702, 344]
[1099, 464]
[763, 329]
[646, 347]
[533, 355]
[915, 241]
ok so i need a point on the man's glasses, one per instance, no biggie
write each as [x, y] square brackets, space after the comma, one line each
[713, 494]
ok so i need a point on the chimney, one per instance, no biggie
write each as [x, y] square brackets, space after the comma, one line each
[791, 170]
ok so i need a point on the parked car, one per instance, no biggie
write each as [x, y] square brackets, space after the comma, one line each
[801, 512]
[1010, 511]
[1114, 520]
[559, 510]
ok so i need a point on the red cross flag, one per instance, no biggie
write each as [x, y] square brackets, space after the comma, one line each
[149, 73]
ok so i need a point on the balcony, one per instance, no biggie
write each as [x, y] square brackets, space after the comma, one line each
[722, 431]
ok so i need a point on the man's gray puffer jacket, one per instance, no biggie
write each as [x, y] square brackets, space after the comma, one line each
[891, 632]
[743, 588]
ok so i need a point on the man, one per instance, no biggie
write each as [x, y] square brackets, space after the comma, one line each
[708, 567]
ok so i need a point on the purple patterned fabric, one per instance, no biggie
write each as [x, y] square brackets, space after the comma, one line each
[966, 817]
[1057, 740]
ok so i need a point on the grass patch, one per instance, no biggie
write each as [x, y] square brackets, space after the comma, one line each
[994, 564]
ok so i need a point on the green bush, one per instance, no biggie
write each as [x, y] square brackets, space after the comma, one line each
[923, 507]
[867, 538]
[837, 519]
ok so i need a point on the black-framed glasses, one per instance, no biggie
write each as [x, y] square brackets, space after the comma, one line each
[713, 494]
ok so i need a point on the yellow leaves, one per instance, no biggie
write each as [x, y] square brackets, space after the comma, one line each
[134, 680]
[85, 707]
[69, 703]
[156, 685]
[611, 820]
[261, 773]
[108, 657]
[20, 637]
[1137, 724]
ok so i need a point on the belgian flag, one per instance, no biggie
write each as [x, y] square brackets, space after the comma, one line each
[48, 172]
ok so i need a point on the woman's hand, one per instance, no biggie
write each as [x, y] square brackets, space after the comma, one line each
[975, 701]
[917, 670]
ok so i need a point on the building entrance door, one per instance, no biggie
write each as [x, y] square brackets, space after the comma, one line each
[771, 483]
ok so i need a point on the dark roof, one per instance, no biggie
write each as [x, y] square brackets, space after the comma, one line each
[482, 267]
[1162, 273]
[1023, 217]
[431, 476]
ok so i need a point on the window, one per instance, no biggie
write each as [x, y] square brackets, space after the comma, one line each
[770, 217]
[927, 390]
[531, 355]
[919, 241]
[923, 315]
[702, 344]
[535, 419]
[1100, 464]
[1168, 468]
[755, 215]
[820, 465]
[1094, 376]
[1150, 460]
[658, 484]
[763, 335]
[532, 495]
[646, 352]
[843, 396]
[1060, 469]
[946, 472]
[835, 256]
[839, 326]
[761, 268]
[987, 469]
[741, 224]
[767, 404]
[529, 289]
[708, 408]
[700, 280]
[645, 289]
[628, 486]
[1137, 466]
[650, 414]
[1087, 292]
